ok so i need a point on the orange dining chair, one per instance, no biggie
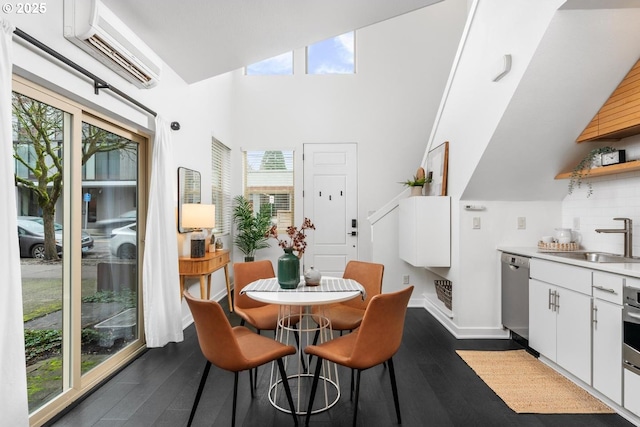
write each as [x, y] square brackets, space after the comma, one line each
[233, 349]
[374, 342]
[347, 315]
[260, 315]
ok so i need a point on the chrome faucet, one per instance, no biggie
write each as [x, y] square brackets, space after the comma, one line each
[627, 231]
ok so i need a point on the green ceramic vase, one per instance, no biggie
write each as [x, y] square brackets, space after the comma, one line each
[288, 270]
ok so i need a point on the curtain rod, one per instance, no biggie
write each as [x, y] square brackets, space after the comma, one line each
[98, 83]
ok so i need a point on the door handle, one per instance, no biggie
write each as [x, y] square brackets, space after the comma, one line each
[551, 299]
[352, 233]
[595, 316]
[556, 302]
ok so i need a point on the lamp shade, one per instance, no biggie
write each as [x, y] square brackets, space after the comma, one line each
[198, 215]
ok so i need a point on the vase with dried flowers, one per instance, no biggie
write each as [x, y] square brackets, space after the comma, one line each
[289, 263]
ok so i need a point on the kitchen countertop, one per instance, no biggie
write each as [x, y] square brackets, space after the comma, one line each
[627, 269]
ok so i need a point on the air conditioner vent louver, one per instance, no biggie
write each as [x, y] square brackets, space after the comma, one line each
[113, 55]
[95, 29]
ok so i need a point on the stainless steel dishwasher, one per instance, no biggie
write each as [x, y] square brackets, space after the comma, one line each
[515, 294]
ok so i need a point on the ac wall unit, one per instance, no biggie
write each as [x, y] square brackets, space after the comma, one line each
[90, 25]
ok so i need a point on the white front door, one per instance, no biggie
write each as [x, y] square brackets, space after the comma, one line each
[331, 202]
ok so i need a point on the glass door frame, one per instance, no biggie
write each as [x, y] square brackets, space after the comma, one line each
[74, 384]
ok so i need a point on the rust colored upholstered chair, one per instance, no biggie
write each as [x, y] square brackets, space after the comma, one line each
[374, 342]
[260, 315]
[347, 315]
[233, 349]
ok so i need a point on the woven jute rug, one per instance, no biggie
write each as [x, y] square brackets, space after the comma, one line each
[527, 385]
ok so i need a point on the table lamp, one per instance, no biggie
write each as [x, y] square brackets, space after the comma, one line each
[198, 217]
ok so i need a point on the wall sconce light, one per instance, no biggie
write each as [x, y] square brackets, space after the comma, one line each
[198, 217]
[505, 68]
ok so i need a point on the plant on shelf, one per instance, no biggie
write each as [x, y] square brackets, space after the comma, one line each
[581, 170]
[418, 180]
[251, 228]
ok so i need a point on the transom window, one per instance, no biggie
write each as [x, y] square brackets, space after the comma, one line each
[332, 56]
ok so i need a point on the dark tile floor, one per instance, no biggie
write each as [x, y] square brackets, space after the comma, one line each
[436, 388]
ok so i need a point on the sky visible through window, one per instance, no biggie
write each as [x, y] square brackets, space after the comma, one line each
[277, 65]
[331, 56]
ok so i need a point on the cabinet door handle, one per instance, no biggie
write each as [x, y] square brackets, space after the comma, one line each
[550, 300]
[556, 302]
[595, 316]
[602, 288]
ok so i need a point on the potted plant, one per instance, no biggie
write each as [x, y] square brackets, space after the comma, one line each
[251, 229]
[289, 263]
[417, 182]
[581, 170]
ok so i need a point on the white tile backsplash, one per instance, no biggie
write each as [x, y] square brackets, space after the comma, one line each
[613, 196]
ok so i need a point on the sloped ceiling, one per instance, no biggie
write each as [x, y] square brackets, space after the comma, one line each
[583, 56]
[205, 38]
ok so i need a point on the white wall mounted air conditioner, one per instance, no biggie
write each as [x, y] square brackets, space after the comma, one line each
[90, 25]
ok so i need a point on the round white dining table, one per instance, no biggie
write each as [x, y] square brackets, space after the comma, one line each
[331, 290]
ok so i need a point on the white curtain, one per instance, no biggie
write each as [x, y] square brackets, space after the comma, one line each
[13, 371]
[160, 278]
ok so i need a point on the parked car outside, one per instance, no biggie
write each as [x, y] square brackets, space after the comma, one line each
[31, 237]
[107, 225]
[123, 242]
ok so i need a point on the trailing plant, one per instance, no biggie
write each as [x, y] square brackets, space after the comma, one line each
[581, 170]
[251, 228]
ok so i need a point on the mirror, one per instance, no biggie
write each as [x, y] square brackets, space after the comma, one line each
[188, 192]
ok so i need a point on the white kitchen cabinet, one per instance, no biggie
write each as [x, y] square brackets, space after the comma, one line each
[607, 349]
[425, 231]
[632, 391]
[560, 315]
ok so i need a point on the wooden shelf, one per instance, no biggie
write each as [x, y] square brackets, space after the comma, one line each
[607, 170]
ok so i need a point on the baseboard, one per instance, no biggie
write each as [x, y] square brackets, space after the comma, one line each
[463, 333]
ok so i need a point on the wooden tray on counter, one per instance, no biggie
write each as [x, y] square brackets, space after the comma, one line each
[558, 247]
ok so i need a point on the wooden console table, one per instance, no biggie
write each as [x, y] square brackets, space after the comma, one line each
[204, 267]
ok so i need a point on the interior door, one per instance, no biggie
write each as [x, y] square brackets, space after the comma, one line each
[331, 202]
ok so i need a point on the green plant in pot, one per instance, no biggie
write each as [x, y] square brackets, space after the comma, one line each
[581, 170]
[417, 182]
[251, 228]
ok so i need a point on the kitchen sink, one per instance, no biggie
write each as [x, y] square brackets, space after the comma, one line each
[601, 257]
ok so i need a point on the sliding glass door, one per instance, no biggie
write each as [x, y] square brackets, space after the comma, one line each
[80, 191]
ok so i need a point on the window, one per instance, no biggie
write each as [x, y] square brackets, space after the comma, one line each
[268, 183]
[220, 185]
[277, 65]
[92, 293]
[332, 56]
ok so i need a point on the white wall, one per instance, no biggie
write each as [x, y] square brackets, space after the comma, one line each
[386, 107]
[613, 196]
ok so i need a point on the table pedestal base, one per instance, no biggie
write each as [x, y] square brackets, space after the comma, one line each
[299, 373]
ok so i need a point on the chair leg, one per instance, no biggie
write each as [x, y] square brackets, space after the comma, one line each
[255, 370]
[394, 388]
[315, 341]
[203, 380]
[235, 399]
[351, 390]
[251, 385]
[355, 409]
[287, 390]
[296, 335]
[314, 386]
